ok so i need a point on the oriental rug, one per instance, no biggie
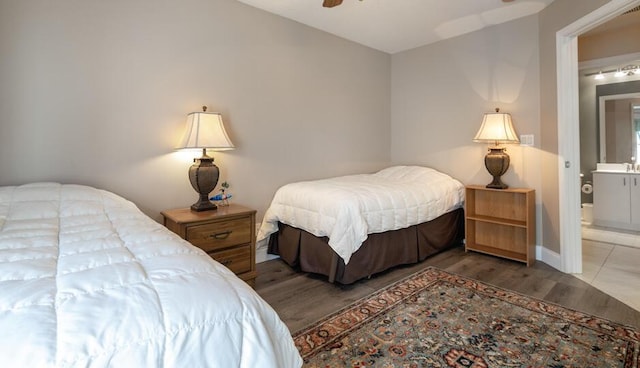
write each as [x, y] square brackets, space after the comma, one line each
[438, 319]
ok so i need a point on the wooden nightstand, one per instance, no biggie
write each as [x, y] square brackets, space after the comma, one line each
[226, 234]
[501, 222]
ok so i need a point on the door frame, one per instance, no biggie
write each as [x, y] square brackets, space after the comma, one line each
[569, 129]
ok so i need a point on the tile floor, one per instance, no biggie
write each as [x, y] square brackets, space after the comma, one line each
[610, 262]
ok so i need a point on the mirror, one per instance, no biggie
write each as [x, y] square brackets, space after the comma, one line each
[618, 129]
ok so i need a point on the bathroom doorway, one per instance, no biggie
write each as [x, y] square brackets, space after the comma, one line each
[568, 129]
[571, 245]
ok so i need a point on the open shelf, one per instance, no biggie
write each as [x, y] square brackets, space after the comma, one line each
[501, 222]
[498, 220]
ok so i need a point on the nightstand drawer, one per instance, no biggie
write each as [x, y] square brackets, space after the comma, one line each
[222, 234]
[237, 259]
[226, 234]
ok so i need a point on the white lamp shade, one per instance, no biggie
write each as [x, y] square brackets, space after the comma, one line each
[496, 127]
[205, 130]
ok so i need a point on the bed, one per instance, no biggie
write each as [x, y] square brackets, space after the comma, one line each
[88, 280]
[352, 227]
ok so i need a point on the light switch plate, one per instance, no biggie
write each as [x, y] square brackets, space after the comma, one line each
[526, 140]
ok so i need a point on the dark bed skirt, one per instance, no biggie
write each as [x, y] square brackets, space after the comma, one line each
[379, 252]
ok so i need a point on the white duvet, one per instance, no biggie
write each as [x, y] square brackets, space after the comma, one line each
[87, 280]
[346, 209]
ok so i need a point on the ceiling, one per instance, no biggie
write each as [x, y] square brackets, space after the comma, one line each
[398, 25]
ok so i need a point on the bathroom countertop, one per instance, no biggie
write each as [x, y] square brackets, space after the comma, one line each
[615, 172]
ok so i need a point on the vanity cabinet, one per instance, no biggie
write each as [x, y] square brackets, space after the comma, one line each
[616, 200]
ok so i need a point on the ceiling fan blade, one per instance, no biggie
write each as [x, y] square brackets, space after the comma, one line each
[331, 3]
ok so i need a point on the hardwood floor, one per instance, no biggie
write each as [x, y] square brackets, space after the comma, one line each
[300, 298]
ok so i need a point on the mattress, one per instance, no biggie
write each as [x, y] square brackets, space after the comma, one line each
[347, 209]
[86, 279]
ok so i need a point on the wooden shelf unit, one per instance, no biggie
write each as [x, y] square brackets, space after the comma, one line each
[501, 222]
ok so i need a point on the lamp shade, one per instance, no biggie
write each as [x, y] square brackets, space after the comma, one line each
[497, 128]
[205, 130]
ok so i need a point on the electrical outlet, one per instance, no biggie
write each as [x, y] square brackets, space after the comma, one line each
[526, 140]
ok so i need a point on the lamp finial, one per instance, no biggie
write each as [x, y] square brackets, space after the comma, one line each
[497, 109]
[204, 109]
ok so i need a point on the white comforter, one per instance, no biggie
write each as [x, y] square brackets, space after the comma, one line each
[86, 279]
[345, 209]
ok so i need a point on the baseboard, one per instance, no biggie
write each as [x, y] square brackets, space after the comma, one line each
[262, 256]
[261, 250]
[549, 257]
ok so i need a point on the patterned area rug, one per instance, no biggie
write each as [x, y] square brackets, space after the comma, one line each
[438, 319]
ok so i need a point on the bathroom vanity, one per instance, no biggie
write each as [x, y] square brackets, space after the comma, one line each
[616, 197]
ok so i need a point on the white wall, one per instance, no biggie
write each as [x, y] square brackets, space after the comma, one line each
[97, 92]
[440, 92]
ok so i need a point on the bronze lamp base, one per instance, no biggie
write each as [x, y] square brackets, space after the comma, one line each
[203, 176]
[497, 163]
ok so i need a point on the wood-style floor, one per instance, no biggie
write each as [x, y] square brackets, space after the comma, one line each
[300, 298]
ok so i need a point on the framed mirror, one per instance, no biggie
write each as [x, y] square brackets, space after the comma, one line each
[618, 125]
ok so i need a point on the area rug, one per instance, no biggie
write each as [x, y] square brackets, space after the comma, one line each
[438, 319]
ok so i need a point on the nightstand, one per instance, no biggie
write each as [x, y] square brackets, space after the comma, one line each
[226, 234]
[501, 222]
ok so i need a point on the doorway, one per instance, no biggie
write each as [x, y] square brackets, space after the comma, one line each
[568, 129]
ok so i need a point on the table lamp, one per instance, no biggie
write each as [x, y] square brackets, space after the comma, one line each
[204, 130]
[496, 128]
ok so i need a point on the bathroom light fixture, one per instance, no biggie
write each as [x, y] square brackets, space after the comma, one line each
[496, 128]
[620, 72]
[631, 70]
[204, 130]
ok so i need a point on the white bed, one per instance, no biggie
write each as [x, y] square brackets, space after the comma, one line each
[347, 209]
[88, 280]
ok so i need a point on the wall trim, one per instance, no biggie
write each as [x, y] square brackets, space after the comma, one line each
[262, 256]
[549, 257]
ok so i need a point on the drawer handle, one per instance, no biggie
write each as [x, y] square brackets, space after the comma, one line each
[222, 235]
[226, 262]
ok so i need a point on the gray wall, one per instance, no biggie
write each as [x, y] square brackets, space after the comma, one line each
[440, 92]
[97, 92]
[553, 18]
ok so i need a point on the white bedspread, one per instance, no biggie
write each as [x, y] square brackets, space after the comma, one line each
[347, 208]
[87, 280]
